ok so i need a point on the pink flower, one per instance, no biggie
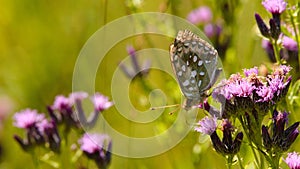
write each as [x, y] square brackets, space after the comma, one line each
[101, 102]
[61, 102]
[77, 96]
[289, 43]
[293, 160]
[27, 118]
[274, 6]
[200, 15]
[92, 143]
[207, 125]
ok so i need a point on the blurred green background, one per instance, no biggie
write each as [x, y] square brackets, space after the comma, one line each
[39, 44]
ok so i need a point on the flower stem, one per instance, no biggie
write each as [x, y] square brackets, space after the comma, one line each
[240, 161]
[250, 142]
[229, 161]
[296, 33]
[276, 50]
[35, 159]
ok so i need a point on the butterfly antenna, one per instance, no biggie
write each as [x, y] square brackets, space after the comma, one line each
[162, 107]
[171, 113]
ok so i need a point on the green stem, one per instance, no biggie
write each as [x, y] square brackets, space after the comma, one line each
[35, 159]
[250, 142]
[296, 33]
[229, 161]
[276, 50]
[240, 161]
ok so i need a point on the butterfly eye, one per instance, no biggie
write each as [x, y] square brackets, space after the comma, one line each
[194, 63]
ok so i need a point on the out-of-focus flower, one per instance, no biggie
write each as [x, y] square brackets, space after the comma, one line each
[212, 30]
[200, 15]
[137, 70]
[289, 43]
[6, 106]
[96, 147]
[101, 102]
[207, 125]
[27, 118]
[61, 102]
[49, 131]
[293, 160]
[268, 47]
[274, 6]
[77, 96]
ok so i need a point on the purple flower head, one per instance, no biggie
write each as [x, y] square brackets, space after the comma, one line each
[251, 71]
[274, 6]
[207, 125]
[101, 102]
[285, 69]
[93, 143]
[242, 88]
[293, 160]
[27, 118]
[281, 71]
[200, 15]
[77, 96]
[277, 84]
[289, 43]
[61, 102]
[265, 93]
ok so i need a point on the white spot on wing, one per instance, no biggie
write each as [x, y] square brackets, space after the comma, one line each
[183, 67]
[185, 83]
[193, 73]
[202, 73]
[200, 62]
[199, 83]
[195, 58]
[179, 73]
[175, 57]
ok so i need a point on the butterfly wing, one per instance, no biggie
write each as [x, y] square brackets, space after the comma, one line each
[194, 63]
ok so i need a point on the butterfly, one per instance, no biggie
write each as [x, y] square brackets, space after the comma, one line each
[194, 62]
